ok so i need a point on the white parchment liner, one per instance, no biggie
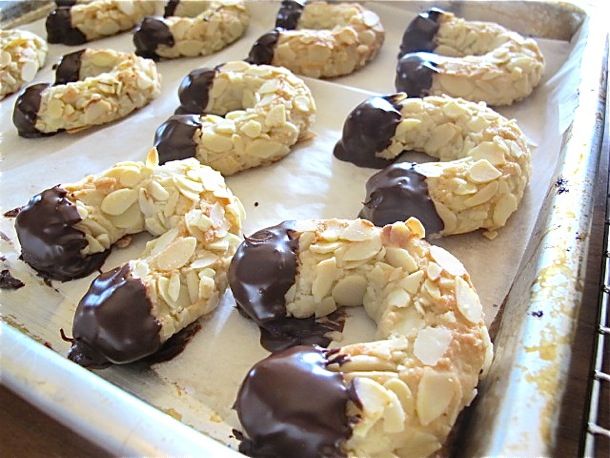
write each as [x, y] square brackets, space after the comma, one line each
[199, 386]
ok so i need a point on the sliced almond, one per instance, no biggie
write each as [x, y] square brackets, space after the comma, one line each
[349, 291]
[177, 254]
[467, 300]
[431, 344]
[482, 171]
[118, 201]
[447, 261]
[358, 251]
[325, 274]
[399, 257]
[435, 393]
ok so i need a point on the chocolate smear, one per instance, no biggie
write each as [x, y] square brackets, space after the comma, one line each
[151, 33]
[289, 14]
[68, 69]
[291, 405]
[170, 8]
[60, 30]
[369, 129]
[25, 113]
[113, 322]
[415, 72]
[174, 139]
[175, 345]
[262, 51]
[49, 241]
[7, 281]
[421, 32]
[397, 193]
[261, 272]
[194, 90]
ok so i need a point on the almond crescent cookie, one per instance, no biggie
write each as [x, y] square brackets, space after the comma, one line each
[74, 22]
[22, 54]
[320, 39]
[483, 169]
[67, 231]
[478, 61]
[191, 28]
[254, 115]
[92, 87]
[398, 396]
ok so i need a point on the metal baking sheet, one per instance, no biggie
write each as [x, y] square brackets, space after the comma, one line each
[532, 351]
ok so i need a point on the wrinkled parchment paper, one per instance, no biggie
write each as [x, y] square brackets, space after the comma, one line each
[199, 386]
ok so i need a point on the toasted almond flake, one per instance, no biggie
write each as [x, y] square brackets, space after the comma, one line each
[447, 261]
[176, 254]
[431, 344]
[349, 291]
[482, 171]
[358, 231]
[435, 393]
[467, 300]
[325, 274]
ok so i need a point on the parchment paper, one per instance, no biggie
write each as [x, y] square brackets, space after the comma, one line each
[199, 386]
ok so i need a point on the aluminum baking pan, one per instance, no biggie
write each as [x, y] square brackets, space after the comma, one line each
[517, 410]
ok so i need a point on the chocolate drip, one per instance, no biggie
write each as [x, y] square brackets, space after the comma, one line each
[262, 51]
[152, 33]
[68, 69]
[49, 242]
[290, 404]
[174, 138]
[170, 8]
[113, 322]
[175, 345]
[194, 90]
[415, 71]
[7, 281]
[421, 32]
[261, 272]
[289, 14]
[369, 129]
[60, 30]
[398, 192]
[26, 109]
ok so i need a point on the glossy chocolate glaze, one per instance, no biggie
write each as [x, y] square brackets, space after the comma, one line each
[194, 90]
[25, 112]
[68, 69]
[262, 51]
[415, 71]
[49, 241]
[113, 322]
[170, 8]
[421, 32]
[60, 30]
[174, 139]
[289, 14]
[369, 129]
[290, 405]
[261, 272]
[416, 61]
[397, 193]
[151, 33]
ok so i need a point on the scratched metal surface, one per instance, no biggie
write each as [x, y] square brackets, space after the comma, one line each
[517, 410]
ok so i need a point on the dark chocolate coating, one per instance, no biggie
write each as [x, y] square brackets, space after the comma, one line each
[261, 272]
[416, 62]
[289, 14]
[25, 112]
[369, 129]
[415, 71]
[151, 33]
[60, 30]
[7, 281]
[421, 32]
[174, 138]
[262, 51]
[397, 193]
[170, 8]
[194, 90]
[65, 2]
[113, 322]
[68, 69]
[49, 242]
[291, 405]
